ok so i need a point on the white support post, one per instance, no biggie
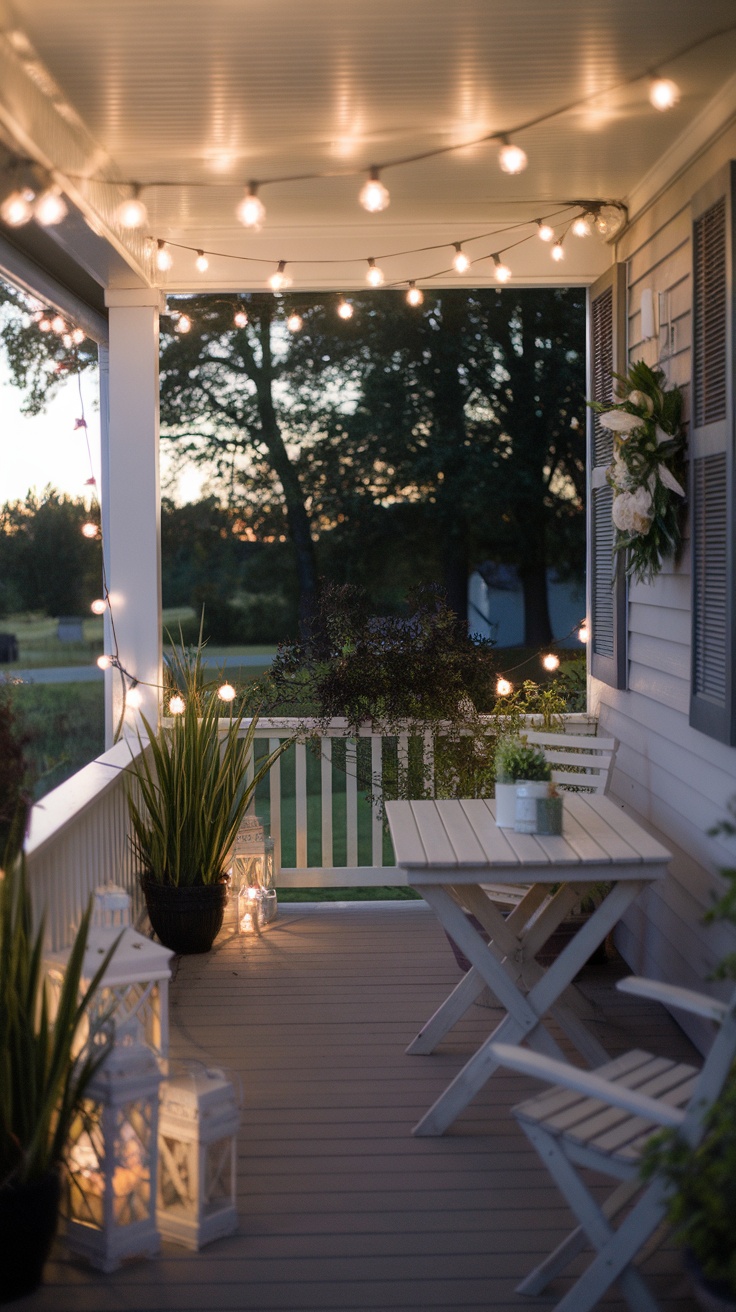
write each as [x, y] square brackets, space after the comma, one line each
[131, 501]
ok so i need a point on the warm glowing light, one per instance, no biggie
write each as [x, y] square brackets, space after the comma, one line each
[16, 209]
[99, 606]
[583, 633]
[202, 263]
[460, 261]
[415, 295]
[176, 705]
[374, 275]
[44, 325]
[104, 662]
[132, 213]
[374, 196]
[502, 272]
[280, 278]
[546, 231]
[89, 530]
[134, 697]
[557, 252]
[512, 159]
[67, 341]
[226, 692]
[246, 924]
[183, 324]
[503, 687]
[251, 211]
[58, 325]
[551, 661]
[295, 323]
[240, 319]
[78, 336]
[583, 225]
[50, 208]
[163, 256]
[345, 310]
[608, 220]
[664, 93]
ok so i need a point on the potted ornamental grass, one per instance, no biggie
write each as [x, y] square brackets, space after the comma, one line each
[189, 787]
[517, 762]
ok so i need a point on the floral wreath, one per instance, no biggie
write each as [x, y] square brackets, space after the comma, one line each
[647, 471]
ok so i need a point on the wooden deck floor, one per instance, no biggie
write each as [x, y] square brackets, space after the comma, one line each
[340, 1208]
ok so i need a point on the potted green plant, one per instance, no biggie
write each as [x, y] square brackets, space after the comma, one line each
[42, 1080]
[516, 762]
[188, 791]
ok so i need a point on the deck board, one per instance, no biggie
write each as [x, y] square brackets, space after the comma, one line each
[340, 1208]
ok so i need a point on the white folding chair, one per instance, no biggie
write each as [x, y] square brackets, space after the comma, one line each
[601, 1120]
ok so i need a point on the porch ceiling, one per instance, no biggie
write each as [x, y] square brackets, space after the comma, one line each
[203, 96]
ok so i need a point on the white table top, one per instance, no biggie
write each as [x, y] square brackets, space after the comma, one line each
[458, 841]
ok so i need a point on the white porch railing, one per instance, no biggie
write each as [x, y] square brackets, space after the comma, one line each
[322, 823]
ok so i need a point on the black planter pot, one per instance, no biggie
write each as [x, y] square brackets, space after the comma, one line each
[187, 919]
[29, 1215]
[710, 1295]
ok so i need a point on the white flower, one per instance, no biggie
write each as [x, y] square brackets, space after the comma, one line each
[619, 475]
[632, 511]
[668, 480]
[641, 399]
[618, 421]
[661, 436]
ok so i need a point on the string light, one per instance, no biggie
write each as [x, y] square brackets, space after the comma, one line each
[663, 93]
[373, 196]
[295, 323]
[78, 336]
[546, 231]
[251, 211]
[134, 696]
[58, 325]
[374, 275]
[226, 692]
[557, 251]
[44, 324]
[240, 319]
[584, 631]
[460, 261]
[50, 208]
[176, 705]
[551, 661]
[512, 159]
[501, 272]
[99, 606]
[415, 295]
[608, 220]
[280, 278]
[345, 309]
[17, 209]
[503, 687]
[89, 530]
[104, 662]
[183, 324]
[164, 258]
[132, 213]
[582, 226]
[67, 340]
[202, 263]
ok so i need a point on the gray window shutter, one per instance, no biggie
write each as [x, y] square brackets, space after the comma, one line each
[606, 599]
[712, 708]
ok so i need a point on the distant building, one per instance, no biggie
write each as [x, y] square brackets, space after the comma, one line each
[496, 605]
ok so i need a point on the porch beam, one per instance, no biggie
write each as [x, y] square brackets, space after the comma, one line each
[131, 501]
[23, 272]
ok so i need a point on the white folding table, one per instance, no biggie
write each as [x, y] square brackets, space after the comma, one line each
[449, 849]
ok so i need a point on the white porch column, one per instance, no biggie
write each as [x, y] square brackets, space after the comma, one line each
[131, 500]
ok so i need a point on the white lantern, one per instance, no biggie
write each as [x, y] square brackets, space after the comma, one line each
[255, 908]
[112, 907]
[253, 868]
[111, 1159]
[197, 1140]
[136, 981]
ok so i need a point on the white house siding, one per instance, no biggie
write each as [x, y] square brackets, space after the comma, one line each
[669, 774]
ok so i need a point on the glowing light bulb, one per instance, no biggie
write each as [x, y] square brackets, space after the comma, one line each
[280, 278]
[183, 324]
[415, 295]
[89, 530]
[104, 662]
[546, 231]
[501, 272]
[608, 220]
[202, 264]
[551, 661]
[512, 159]
[460, 261]
[50, 208]
[226, 692]
[67, 341]
[663, 93]
[44, 325]
[78, 336]
[374, 276]
[99, 606]
[345, 310]
[176, 705]
[240, 319]
[295, 323]
[58, 325]
[583, 225]
[584, 632]
[503, 687]
[163, 256]
[557, 252]
[134, 698]
[132, 213]
[17, 209]
[251, 211]
[373, 195]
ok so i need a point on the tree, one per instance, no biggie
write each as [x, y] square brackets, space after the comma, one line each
[46, 563]
[39, 360]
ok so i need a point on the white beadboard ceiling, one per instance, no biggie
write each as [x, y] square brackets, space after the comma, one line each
[206, 94]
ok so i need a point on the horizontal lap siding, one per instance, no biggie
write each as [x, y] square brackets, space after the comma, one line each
[675, 777]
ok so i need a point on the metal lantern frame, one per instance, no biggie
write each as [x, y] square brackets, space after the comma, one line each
[198, 1127]
[253, 877]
